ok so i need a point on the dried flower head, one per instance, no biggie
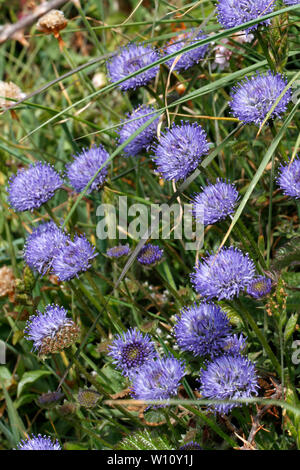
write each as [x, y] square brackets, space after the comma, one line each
[52, 22]
[7, 281]
[51, 331]
[9, 93]
[88, 398]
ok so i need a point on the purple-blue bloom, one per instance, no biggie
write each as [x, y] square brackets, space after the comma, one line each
[228, 378]
[180, 150]
[149, 254]
[289, 178]
[192, 445]
[118, 251]
[51, 331]
[235, 12]
[259, 287]
[85, 166]
[132, 58]
[223, 275]
[234, 344]
[131, 350]
[38, 442]
[253, 98]
[73, 258]
[30, 188]
[42, 245]
[291, 2]
[202, 329]
[158, 379]
[215, 203]
[141, 142]
[190, 58]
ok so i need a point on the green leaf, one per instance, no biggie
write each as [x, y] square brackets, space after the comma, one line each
[287, 255]
[290, 326]
[30, 377]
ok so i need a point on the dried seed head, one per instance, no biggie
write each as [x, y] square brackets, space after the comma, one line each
[7, 281]
[88, 398]
[65, 336]
[53, 22]
[9, 91]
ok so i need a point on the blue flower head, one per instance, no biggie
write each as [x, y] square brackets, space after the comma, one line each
[232, 13]
[73, 258]
[159, 379]
[228, 378]
[38, 442]
[132, 58]
[180, 150]
[85, 166]
[234, 344]
[42, 245]
[190, 58]
[149, 254]
[51, 331]
[29, 189]
[118, 251]
[253, 98]
[131, 350]
[289, 178]
[192, 445]
[223, 275]
[259, 287]
[134, 121]
[202, 329]
[215, 203]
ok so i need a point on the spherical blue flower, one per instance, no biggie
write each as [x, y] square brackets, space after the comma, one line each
[228, 378]
[234, 344]
[42, 245]
[132, 58]
[223, 275]
[131, 350]
[73, 258]
[158, 379]
[38, 442]
[140, 115]
[192, 445]
[118, 251]
[149, 254]
[235, 12]
[30, 188]
[289, 178]
[180, 150]
[259, 287]
[51, 331]
[253, 98]
[215, 203]
[85, 166]
[202, 329]
[190, 58]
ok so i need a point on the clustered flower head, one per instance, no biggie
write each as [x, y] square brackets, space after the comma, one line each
[288, 178]
[29, 189]
[85, 165]
[291, 2]
[134, 121]
[149, 255]
[180, 150]
[223, 275]
[118, 251]
[234, 344]
[259, 287]
[254, 97]
[73, 258]
[202, 329]
[52, 22]
[38, 442]
[51, 331]
[192, 445]
[233, 13]
[88, 398]
[132, 350]
[50, 399]
[215, 203]
[228, 378]
[132, 58]
[158, 379]
[9, 93]
[42, 245]
[190, 58]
